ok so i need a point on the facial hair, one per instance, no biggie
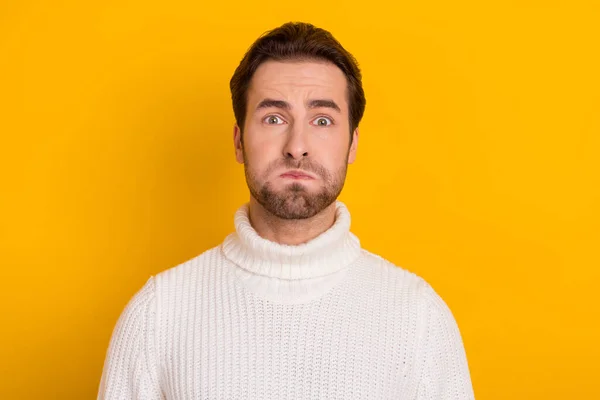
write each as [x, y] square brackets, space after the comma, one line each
[295, 201]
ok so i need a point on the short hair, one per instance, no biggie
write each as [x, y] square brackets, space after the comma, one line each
[303, 42]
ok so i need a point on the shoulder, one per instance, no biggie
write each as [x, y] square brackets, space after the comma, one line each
[141, 303]
[173, 290]
[168, 283]
[404, 284]
[187, 271]
[137, 317]
[391, 276]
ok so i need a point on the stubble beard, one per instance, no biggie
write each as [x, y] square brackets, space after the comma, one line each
[295, 201]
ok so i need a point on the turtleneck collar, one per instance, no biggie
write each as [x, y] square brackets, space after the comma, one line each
[302, 268]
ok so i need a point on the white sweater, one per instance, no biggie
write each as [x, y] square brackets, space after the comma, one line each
[254, 319]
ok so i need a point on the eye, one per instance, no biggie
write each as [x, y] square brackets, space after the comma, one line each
[273, 120]
[323, 121]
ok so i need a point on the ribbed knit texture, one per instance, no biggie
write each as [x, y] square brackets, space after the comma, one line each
[254, 319]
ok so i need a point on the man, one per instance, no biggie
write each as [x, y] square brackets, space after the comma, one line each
[289, 306]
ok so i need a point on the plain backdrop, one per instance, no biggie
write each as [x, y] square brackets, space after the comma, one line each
[478, 169]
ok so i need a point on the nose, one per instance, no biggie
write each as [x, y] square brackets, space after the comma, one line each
[296, 145]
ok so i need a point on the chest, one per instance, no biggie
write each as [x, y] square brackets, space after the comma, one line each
[242, 347]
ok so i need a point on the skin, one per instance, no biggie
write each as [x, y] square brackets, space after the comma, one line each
[295, 133]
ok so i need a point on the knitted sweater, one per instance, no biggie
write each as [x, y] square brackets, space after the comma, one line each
[254, 319]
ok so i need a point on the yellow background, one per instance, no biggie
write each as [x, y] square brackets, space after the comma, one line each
[478, 169]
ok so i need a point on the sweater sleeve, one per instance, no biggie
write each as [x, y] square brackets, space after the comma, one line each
[130, 370]
[444, 371]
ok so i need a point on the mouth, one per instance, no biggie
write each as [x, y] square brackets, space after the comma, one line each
[296, 175]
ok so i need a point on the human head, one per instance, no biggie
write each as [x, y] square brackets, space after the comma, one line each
[291, 78]
[297, 41]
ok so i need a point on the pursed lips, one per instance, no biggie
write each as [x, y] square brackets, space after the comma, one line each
[296, 175]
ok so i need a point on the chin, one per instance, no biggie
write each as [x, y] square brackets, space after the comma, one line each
[299, 187]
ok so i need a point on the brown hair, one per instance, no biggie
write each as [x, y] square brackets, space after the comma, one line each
[297, 41]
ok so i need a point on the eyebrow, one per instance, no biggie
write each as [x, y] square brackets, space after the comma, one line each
[268, 103]
[324, 104]
[284, 105]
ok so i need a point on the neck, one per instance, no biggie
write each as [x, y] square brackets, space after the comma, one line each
[291, 273]
[290, 232]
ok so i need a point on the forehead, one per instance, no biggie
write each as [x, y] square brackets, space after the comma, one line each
[290, 80]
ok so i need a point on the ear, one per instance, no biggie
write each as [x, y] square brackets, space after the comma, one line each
[237, 143]
[352, 151]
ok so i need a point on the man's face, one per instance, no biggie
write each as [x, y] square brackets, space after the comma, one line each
[296, 122]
